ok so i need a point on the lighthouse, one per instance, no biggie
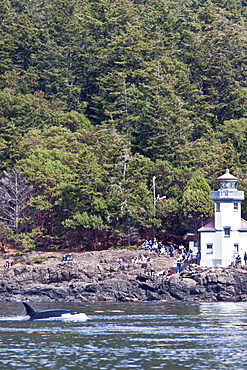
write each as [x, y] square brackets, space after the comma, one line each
[224, 238]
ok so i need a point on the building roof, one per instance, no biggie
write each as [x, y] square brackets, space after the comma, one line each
[190, 237]
[227, 176]
[243, 226]
[210, 226]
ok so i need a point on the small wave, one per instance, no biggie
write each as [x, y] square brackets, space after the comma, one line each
[14, 318]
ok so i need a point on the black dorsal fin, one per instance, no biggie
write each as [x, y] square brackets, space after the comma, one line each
[30, 311]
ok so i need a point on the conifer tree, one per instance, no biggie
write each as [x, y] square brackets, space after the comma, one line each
[222, 60]
[196, 204]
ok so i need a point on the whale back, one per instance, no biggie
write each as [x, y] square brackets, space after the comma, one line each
[35, 315]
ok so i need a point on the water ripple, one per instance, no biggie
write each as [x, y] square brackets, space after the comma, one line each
[125, 336]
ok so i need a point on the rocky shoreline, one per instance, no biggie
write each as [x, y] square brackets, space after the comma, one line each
[96, 276]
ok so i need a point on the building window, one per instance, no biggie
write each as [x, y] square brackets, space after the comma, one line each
[209, 248]
[227, 231]
[235, 206]
[236, 249]
[217, 207]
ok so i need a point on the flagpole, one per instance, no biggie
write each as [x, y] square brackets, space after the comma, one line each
[154, 178]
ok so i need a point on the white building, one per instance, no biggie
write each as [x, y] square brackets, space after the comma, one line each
[223, 239]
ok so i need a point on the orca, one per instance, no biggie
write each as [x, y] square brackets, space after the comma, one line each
[36, 315]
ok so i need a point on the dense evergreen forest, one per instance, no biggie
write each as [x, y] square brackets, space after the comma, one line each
[102, 100]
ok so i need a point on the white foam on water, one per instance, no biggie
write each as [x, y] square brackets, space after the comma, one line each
[76, 317]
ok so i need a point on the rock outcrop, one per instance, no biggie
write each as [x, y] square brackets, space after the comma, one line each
[96, 276]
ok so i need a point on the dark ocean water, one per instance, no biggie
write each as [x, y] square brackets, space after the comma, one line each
[126, 336]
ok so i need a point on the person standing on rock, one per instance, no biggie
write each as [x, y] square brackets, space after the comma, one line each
[245, 258]
[179, 265]
[171, 251]
[151, 273]
[198, 258]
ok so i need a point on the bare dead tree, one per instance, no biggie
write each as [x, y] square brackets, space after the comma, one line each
[15, 192]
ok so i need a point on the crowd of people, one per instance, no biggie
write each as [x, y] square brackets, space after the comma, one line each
[171, 250]
[158, 247]
[183, 255]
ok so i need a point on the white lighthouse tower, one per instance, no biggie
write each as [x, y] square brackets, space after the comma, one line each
[223, 239]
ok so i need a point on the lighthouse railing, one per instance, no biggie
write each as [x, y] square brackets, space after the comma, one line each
[229, 194]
